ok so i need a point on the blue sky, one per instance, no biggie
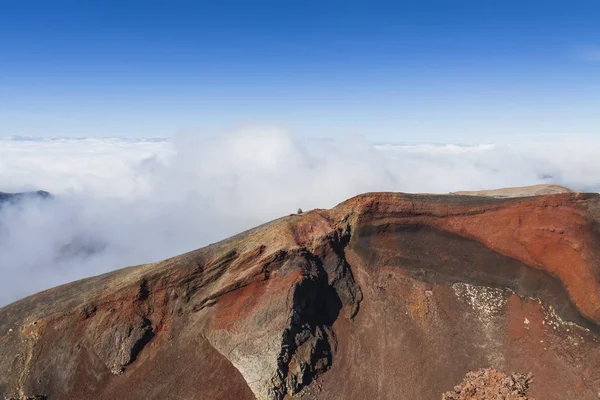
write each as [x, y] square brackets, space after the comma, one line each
[452, 71]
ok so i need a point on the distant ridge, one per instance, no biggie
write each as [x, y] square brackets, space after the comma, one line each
[12, 197]
[522, 191]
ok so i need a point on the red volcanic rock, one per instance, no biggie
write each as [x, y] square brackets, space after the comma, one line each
[490, 384]
[387, 295]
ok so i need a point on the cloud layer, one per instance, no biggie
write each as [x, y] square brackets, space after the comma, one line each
[122, 202]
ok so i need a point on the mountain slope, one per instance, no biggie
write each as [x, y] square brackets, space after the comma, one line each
[387, 295]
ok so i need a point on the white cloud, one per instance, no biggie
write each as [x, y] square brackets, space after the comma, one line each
[121, 202]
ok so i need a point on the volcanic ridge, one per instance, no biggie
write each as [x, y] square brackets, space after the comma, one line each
[387, 295]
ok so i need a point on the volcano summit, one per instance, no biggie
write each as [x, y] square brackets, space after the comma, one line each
[387, 295]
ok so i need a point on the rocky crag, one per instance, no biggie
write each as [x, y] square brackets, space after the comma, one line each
[490, 384]
[387, 295]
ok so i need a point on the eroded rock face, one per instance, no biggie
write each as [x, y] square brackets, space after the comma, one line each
[387, 295]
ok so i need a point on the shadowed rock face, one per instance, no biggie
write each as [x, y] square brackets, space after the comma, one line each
[387, 295]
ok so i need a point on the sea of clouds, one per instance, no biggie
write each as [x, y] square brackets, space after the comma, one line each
[121, 202]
